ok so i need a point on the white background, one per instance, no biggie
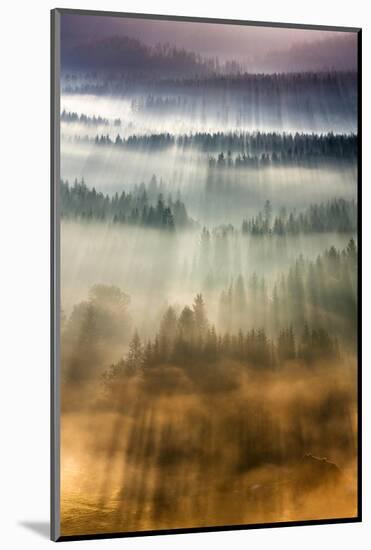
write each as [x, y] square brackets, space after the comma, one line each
[24, 271]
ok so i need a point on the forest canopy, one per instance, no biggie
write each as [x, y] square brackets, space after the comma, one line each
[134, 208]
[250, 148]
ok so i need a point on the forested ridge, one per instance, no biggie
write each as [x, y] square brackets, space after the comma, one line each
[188, 338]
[145, 205]
[183, 341]
[301, 315]
[120, 56]
[322, 293]
[250, 147]
[138, 207]
[71, 117]
[336, 215]
[248, 84]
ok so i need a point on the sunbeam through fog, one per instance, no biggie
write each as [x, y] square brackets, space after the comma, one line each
[208, 201]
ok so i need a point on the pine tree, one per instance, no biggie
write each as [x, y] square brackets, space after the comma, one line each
[167, 334]
[200, 317]
[134, 356]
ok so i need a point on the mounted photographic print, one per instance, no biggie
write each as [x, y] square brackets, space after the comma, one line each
[205, 274]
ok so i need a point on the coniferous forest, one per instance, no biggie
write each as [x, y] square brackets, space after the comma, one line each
[209, 269]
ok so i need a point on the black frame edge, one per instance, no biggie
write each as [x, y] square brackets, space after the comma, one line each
[54, 277]
[195, 19]
[359, 278]
[214, 529]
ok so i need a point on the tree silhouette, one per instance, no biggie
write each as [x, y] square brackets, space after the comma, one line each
[134, 358]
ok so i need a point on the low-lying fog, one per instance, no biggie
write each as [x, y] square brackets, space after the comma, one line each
[209, 199]
[169, 449]
[157, 269]
[171, 111]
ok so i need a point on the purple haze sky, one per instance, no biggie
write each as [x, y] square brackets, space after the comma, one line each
[251, 44]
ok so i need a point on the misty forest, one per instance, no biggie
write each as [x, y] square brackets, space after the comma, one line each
[208, 205]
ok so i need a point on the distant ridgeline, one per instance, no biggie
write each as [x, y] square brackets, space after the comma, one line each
[251, 149]
[72, 117]
[266, 87]
[137, 207]
[248, 87]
